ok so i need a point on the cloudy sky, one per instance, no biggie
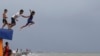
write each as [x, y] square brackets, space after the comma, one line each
[60, 25]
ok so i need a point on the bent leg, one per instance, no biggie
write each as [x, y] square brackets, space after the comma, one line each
[31, 23]
[3, 25]
[24, 26]
[11, 25]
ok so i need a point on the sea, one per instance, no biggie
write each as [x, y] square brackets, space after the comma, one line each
[62, 54]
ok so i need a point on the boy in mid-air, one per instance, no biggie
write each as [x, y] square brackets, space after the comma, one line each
[29, 21]
[14, 18]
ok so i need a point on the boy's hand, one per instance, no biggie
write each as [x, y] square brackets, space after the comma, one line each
[30, 10]
[6, 17]
[16, 20]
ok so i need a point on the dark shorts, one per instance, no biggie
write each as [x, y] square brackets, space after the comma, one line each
[29, 21]
[13, 21]
[4, 21]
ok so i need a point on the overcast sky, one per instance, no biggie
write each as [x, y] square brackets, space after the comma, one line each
[60, 25]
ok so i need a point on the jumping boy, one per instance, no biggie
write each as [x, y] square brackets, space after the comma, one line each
[4, 18]
[15, 16]
[29, 21]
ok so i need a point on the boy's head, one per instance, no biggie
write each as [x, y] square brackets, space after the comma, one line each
[5, 10]
[6, 43]
[33, 12]
[21, 11]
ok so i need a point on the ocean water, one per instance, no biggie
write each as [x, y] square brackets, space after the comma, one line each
[63, 54]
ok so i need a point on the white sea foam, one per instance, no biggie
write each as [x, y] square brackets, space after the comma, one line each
[63, 54]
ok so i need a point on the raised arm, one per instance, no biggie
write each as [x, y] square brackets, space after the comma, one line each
[30, 10]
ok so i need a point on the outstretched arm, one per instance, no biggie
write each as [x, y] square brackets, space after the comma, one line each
[25, 16]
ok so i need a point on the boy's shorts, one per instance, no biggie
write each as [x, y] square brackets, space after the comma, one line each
[5, 21]
[29, 21]
[13, 21]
